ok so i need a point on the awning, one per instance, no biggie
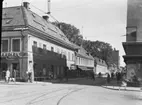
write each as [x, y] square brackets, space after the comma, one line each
[84, 68]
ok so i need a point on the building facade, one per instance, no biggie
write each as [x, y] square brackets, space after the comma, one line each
[133, 44]
[100, 66]
[84, 60]
[32, 42]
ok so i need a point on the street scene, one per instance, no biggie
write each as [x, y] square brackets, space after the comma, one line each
[71, 52]
[77, 92]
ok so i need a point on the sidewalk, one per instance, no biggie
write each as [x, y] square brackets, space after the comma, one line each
[23, 83]
[114, 86]
[123, 88]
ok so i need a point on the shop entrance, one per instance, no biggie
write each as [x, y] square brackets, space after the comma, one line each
[15, 66]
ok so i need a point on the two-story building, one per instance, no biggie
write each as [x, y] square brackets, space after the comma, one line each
[30, 41]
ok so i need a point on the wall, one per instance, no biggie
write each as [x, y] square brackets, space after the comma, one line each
[134, 69]
[58, 49]
[134, 19]
[84, 62]
[102, 69]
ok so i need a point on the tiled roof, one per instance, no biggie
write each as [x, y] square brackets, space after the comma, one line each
[19, 15]
[100, 61]
[38, 22]
[12, 16]
[82, 52]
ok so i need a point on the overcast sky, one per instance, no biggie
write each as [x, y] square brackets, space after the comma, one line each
[103, 20]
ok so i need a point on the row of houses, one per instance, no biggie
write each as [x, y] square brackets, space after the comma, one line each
[30, 41]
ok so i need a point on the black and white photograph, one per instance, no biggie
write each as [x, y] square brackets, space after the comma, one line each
[71, 52]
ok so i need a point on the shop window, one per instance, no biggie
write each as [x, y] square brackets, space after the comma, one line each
[16, 45]
[4, 45]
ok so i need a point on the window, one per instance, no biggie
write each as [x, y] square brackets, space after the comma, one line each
[16, 45]
[4, 45]
[44, 46]
[35, 44]
[52, 49]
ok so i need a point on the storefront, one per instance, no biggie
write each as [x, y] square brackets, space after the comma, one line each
[11, 61]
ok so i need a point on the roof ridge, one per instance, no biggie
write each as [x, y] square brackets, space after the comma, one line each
[11, 7]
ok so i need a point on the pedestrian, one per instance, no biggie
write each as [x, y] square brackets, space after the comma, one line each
[108, 78]
[7, 76]
[118, 77]
[13, 76]
[112, 75]
[29, 72]
[93, 76]
[100, 74]
[66, 73]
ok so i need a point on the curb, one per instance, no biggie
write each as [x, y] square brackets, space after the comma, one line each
[23, 83]
[123, 88]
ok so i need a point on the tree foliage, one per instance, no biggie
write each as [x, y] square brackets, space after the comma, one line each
[95, 48]
[71, 32]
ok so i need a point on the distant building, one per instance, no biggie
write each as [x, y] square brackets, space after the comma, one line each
[133, 44]
[116, 58]
[100, 66]
[27, 37]
[84, 60]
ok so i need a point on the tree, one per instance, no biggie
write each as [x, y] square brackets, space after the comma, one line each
[71, 32]
[99, 49]
[95, 48]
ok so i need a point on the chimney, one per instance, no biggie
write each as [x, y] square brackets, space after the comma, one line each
[26, 5]
[45, 17]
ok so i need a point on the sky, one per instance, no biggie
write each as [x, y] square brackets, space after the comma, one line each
[103, 20]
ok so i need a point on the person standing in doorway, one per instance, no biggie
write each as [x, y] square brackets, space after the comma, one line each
[7, 77]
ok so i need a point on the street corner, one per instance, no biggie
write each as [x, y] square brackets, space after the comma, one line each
[120, 88]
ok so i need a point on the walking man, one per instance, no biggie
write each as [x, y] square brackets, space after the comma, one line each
[7, 77]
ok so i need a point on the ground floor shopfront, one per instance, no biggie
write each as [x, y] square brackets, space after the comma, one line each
[12, 61]
[45, 65]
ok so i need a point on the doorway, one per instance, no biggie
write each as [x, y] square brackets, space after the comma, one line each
[15, 66]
